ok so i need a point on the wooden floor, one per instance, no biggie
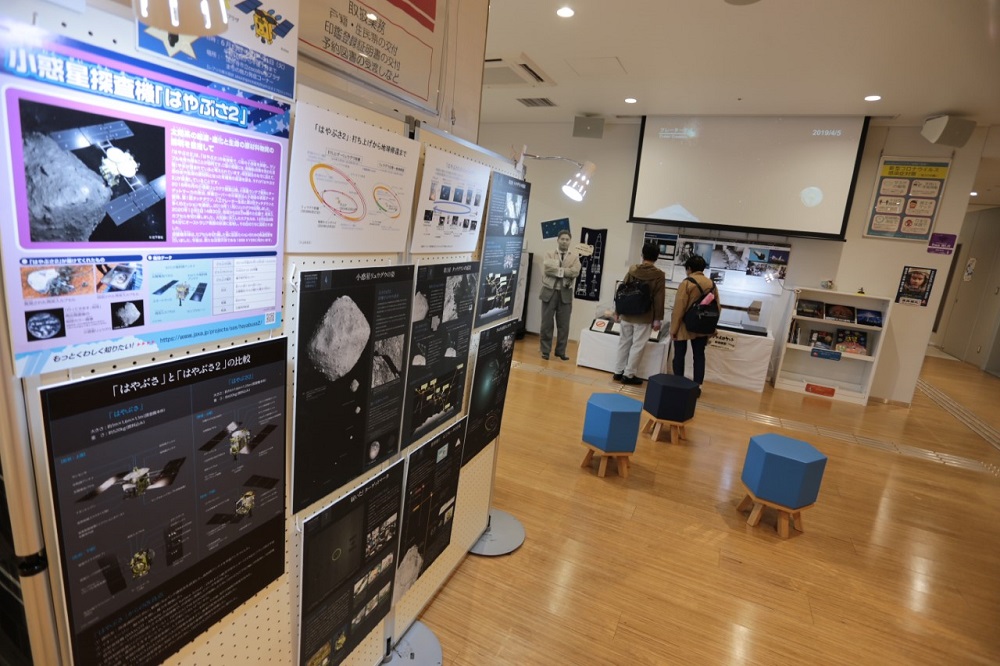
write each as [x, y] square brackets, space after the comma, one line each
[899, 562]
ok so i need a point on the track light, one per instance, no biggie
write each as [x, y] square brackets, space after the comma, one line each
[577, 186]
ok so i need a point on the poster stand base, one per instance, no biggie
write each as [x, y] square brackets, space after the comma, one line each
[418, 647]
[504, 534]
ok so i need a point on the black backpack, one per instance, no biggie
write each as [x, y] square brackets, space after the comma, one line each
[632, 297]
[700, 318]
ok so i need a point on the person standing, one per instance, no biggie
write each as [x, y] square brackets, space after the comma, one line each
[688, 293]
[636, 329]
[560, 269]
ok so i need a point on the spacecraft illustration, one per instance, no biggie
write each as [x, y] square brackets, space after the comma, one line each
[266, 23]
[245, 503]
[138, 480]
[117, 165]
[182, 290]
[241, 440]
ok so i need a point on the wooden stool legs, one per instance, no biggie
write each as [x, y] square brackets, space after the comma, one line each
[621, 460]
[786, 516]
[654, 426]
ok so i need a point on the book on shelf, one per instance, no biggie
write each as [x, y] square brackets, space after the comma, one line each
[838, 312]
[851, 342]
[869, 317]
[807, 308]
[821, 339]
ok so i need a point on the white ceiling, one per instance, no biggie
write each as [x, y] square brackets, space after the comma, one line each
[772, 57]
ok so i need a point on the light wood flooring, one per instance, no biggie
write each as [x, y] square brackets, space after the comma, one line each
[899, 562]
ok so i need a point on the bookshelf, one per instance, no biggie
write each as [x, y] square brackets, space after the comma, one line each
[831, 344]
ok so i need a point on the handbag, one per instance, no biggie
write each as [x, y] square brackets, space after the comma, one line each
[701, 317]
[632, 297]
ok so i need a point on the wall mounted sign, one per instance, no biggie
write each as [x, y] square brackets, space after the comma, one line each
[906, 198]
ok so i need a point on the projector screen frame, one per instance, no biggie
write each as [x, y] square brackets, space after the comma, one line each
[689, 225]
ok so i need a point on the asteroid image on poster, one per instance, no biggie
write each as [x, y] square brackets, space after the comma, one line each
[489, 387]
[439, 351]
[92, 178]
[353, 332]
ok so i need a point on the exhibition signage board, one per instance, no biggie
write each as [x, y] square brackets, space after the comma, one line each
[349, 565]
[489, 387]
[588, 282]
[168, 492]
[258, 49]
[915, 285]
[451, 200]
[501, 257]
[396, 46]
[907, 197]
[350, 375]
[351, 185]
[429, 509]
[439, 347]
[144, 210]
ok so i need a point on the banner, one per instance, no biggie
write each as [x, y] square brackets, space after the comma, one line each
[588, 282]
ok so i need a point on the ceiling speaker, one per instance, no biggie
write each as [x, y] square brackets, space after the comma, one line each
[948, 130]
[588, 127]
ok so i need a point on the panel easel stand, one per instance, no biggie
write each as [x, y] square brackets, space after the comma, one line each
[504, 533]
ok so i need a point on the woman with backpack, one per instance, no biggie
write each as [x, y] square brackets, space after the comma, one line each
[694, 289]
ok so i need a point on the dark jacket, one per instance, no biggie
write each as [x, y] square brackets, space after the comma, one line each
[657, 289]
[687, 294]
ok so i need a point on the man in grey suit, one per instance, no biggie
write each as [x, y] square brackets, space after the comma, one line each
[560, 269]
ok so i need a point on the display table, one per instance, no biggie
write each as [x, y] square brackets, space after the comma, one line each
[734, 359]
[600, 350]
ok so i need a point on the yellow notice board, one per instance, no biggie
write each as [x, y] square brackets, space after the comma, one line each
[906, 198]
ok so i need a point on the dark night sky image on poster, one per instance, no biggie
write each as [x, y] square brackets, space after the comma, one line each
[439, 349]
[169, 492]
[353, 331]
[92, 178]
[349, 565]
[429, 509]
[505, 221]
[489, 387]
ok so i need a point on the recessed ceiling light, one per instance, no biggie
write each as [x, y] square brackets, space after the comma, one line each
[873, 98]
[565, 12]
[371, 16]
[631, 100]
[741, 2]
[973, 194]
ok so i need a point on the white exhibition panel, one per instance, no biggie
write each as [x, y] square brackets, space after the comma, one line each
[735, 359]
[600, 351]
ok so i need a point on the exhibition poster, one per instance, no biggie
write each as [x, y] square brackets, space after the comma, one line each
[349, 565]
[501, 257]
[906, 198]
[169, 497]
[351, 185]
[489, 387]
[145, 208]
[915, 286]
[396, 46]
[451, 200]
[429, 509]
[588, 282]
[350, 375]
[259, 48]
[439, 347]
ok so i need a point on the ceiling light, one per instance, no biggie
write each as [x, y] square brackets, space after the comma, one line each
[630, 100]
[565, 12]
[973, 194]
[741, 2]
[183, 17]
[576, 187]
[371, 16]
[872, 98]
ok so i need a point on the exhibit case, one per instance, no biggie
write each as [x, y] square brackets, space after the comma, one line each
[832, 344]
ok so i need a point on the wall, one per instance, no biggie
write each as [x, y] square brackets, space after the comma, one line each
[875, 264]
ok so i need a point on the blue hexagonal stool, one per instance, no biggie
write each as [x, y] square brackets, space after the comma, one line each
[610, 429]
[782, 473]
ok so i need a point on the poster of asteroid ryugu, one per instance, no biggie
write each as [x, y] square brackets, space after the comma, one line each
[354, 329]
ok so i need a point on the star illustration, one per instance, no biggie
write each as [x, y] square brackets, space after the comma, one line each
[181, 43]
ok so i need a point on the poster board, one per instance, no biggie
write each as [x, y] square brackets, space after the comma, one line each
[354, 329]
[451, 201]
[489, 387]
[168, 489]
[906, 197]
[502, 243]
[130, 225]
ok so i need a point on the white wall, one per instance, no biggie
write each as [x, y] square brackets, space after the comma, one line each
[874, 264]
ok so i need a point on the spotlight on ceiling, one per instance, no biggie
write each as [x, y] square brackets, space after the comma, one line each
[631, 100]
[872, 98]
[565, 12]
[577, 186]
[200, 18]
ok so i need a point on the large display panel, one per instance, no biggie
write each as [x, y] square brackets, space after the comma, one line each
[489, 387]
[353, 331]
[429, 510]
[144, 209]
[168, 488]
[351, 185]
[451, 202]
[506, 218]
[785, 175]
[439, 349]
[349, 565]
